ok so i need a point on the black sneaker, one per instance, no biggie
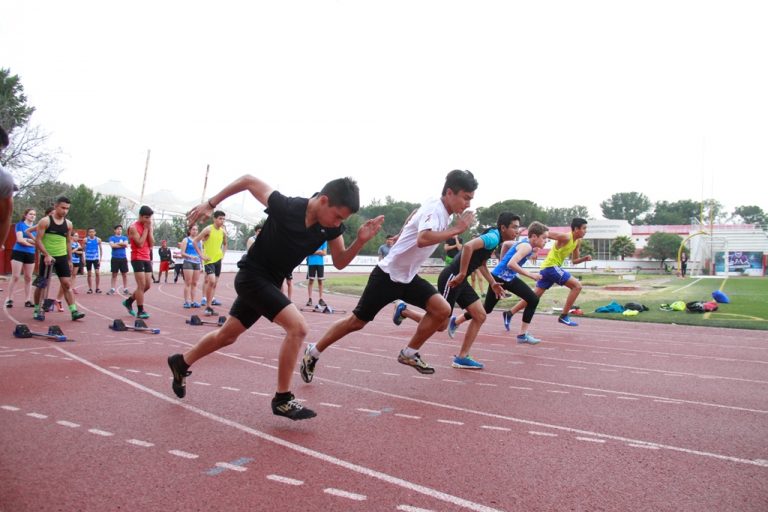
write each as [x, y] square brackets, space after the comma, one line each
[322, 302]
[309, 302]
[307, 369]
[291, 409]
[180, 371]
[209, 311]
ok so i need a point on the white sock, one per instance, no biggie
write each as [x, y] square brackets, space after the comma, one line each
[314, 352]
[409, 352]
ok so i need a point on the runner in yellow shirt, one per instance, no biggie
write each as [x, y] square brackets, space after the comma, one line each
[214, 238]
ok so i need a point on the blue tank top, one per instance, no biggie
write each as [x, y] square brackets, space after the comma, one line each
[75, 256]
[22, 226]
[190, 249]
[502, 271]
[91, 249]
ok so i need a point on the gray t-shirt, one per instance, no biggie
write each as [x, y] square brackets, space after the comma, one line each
[7, 185]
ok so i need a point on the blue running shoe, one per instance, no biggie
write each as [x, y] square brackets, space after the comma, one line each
[398, 316]
[452, 327]
[507, 319]
[467, 362]
[527, 338]
[186, 305]
[195, 305]
[204, 301]
[566, 320]
[215, 302]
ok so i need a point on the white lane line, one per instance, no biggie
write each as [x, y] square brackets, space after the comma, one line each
[608, 370]
[407, 416]
[451, 422]
[488, 384]
[421, 377]
[256, 357]
[132, 371]
[139, 442]
[345, 494]
[229, 388]
[100, 432]
[152, 374]
[185, 455]
[334, 367]
[576, 367]
[545, 434]
[260, 394]
[673, 375]
[628, 354]
[69, 424]
[326, 404]
[113, 367]
[641, 445]
[452, 381]
[491, 427]
[369, 410]
[590, 439]
[392, 374]
[594, 395]
[9, 408]
[521, 388]
[360, 370]
[668, 402]
[284, 480]
[233, 467]
[558, 392]
[36, 415]
[201, 383]
[408, 508]
[640, 373]
[626, 398]
[51, 355]
[545, 364]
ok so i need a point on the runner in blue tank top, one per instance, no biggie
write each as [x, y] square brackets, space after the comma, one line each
[93, 258]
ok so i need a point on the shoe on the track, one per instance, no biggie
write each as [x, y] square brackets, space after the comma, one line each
[527, 338]
[98, 290]
[195, 305]
[180, 372]
[38, 316]
[111, 291]
[77, 315]
[307, 369]
[143, 315]
[507, 319]
[309, 303]
[204, 301]
[59, 306]
[8, 303]
[452, 327]
[291, 409]
[398, 316]
[467, 362]
[209, 311]
[215, 302]
[187, 305]
[415, 361]
[322, 303]
[129, 307]
[566, 320]
[89, 291]
[29, 304]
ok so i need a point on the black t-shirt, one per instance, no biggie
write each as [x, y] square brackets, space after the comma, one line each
[284, 240]
[165, 254]
[478, 258]
[451, 253]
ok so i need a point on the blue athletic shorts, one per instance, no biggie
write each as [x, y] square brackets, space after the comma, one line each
[550, 276]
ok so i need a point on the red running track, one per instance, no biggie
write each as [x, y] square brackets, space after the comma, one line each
[606, 416]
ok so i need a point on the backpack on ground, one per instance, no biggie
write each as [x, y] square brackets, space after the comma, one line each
[695, 307]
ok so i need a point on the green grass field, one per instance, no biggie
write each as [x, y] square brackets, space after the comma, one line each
[748, 308]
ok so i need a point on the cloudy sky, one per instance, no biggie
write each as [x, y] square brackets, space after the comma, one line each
[559, 102]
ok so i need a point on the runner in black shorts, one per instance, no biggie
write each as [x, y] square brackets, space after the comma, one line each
[395, 276]
[283, 243]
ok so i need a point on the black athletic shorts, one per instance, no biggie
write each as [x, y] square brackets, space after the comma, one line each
[213, 268]
[463, 295]
[257, 296]
[79, 266]
[316, 272]
[119, 265]
[60, 266]
[381, 290]
[142, 266]
[27, 258]
[92, 264]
